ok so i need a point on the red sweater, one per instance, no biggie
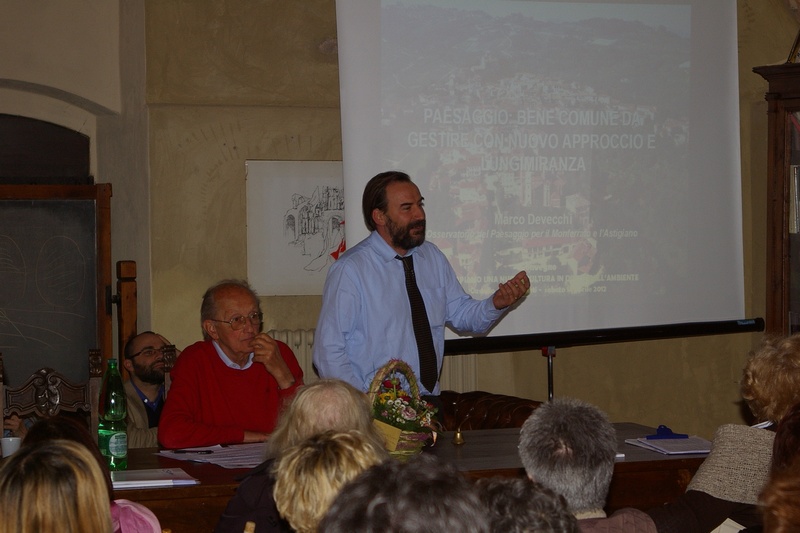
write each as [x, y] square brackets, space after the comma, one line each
[210, 403]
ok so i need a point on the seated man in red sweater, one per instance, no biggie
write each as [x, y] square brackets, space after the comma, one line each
[229, 387]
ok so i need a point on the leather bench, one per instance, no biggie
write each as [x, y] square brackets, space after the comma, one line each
[484, 410]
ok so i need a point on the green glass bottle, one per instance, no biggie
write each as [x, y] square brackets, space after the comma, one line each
[112, 436]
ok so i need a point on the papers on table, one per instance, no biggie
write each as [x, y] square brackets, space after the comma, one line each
[728, 526]
[150, 478]
[691, 444]
[226, 456]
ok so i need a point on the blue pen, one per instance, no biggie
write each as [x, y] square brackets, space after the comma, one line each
[663, 432]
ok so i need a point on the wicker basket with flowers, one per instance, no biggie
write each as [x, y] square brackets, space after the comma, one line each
[406, 420]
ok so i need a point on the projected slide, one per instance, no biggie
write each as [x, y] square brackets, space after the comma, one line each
[569, 140]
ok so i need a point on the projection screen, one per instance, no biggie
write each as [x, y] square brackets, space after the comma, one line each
[594, 145]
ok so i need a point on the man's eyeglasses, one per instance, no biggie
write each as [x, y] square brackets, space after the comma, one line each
[151, 352]
[238, 322]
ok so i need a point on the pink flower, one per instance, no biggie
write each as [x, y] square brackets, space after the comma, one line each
[409, 413]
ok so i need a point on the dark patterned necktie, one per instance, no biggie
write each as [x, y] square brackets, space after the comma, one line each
[428, 369]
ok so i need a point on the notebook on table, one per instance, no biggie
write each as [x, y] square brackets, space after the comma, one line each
[691, 444]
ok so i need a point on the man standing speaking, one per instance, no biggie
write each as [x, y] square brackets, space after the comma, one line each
[391, 296]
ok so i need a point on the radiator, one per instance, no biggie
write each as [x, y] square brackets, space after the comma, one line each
[301, 341]
[459, 372]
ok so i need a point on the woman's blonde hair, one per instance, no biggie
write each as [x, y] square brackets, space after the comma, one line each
[308, 475]
[53, 486]
[327, 404]
[771, 378]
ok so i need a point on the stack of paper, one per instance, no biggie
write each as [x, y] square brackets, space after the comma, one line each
[227, 456]
[692, 444]
[151, 478]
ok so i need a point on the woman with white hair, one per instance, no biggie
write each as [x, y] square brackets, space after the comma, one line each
[324, 405]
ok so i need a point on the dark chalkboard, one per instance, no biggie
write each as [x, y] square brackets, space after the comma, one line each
[49, 272]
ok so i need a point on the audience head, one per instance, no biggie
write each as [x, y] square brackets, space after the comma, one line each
[771, 378]
[780, 501]
[374, 196]
[786, 446]
[53, 486]
[520, 505]
[569, 446]
[228, 300]
[422, 495]
[309, 475]
[68, 427]
[144, 358]
[327, 404]
[780, 498]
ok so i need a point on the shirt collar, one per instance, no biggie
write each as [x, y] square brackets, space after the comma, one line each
[227, 360]
[386, 252]
[144, 398]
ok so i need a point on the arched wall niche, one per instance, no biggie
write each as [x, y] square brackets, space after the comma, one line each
[36, 152]
[57, 112]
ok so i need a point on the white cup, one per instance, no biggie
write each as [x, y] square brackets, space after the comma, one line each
[10, 445]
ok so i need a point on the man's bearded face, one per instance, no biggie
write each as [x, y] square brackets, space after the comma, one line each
[408, 236]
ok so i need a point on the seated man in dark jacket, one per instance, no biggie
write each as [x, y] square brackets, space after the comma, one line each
[143, 358]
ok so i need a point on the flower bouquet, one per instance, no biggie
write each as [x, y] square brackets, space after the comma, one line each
[406, 421]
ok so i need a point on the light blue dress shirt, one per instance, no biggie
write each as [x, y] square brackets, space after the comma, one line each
[227, 360]
[366, 318]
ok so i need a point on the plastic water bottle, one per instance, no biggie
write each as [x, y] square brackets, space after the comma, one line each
[112, 436]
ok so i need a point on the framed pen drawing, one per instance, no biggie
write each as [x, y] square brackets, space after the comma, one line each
[295, 225]
[795, 51]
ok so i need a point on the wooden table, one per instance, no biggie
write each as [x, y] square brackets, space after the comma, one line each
[643, 479]
[192, 509]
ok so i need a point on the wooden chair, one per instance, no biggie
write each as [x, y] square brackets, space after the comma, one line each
[47, 393]
[170, 354]
[126, 300]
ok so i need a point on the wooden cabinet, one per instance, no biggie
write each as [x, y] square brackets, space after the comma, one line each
[783, 197]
